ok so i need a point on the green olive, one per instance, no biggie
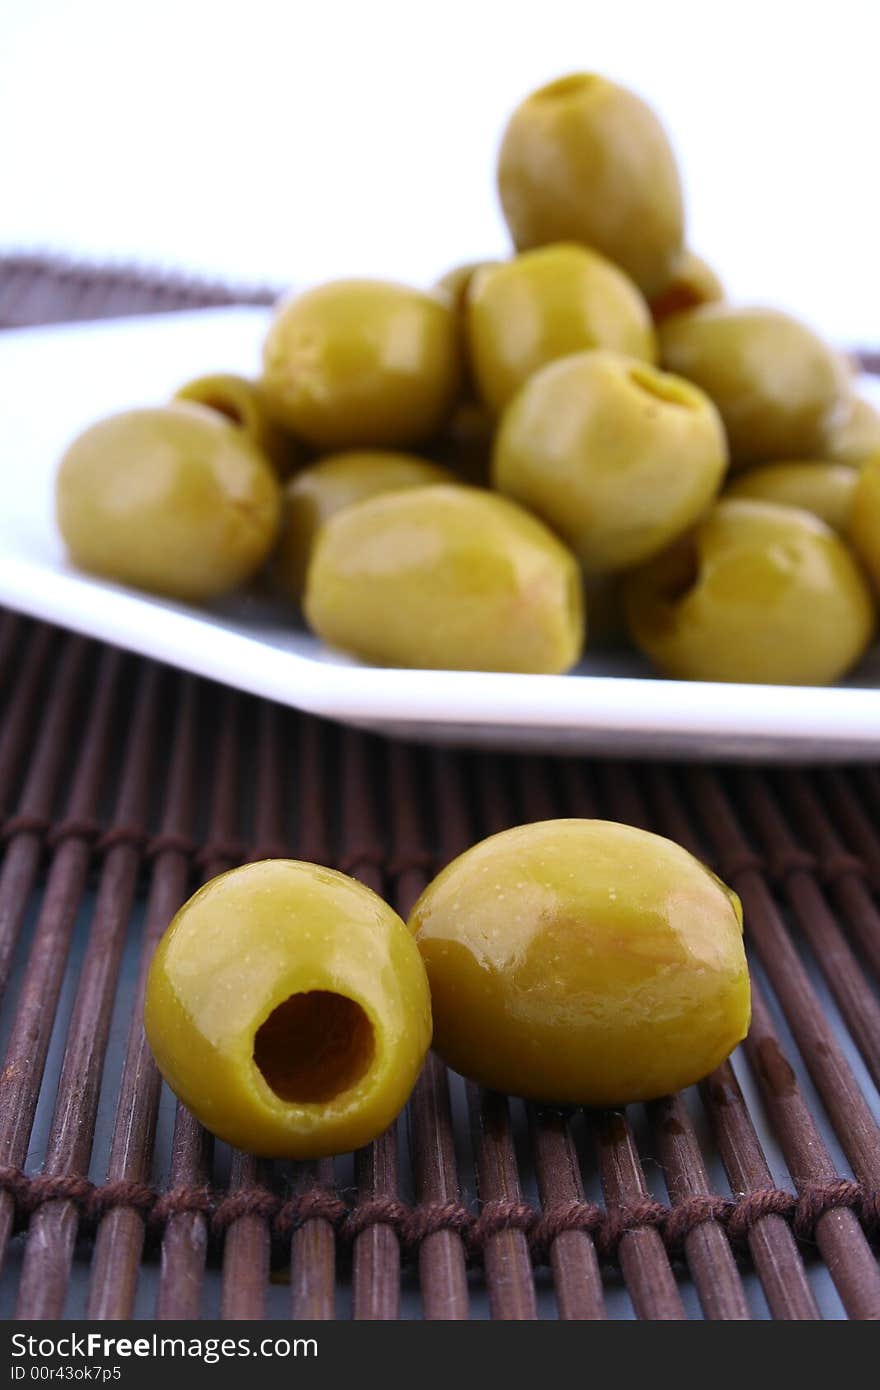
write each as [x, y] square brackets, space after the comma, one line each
[547, 304]
[585, 160]
[288, 1009]
[325, 487]
[583, 962]
[853, 436]
[864, 525]
[756, 593]
[446, 577]
[616, 456]
[693, 283]
[173, 499]
[356, 363]
[241, 401]
[825, 489]
[777, 386]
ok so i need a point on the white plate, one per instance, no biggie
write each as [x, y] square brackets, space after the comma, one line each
[54, 381]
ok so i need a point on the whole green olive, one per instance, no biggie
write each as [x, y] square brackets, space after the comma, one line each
[323, 488]
[693, 283]
[756, 593]
[825, 489]
[173, 499]
[445, 577]
[547, 304]
[362, 362]
[777, 386]
[864, 519]
[616, 456]
[853, 435]
[241, 401]
[287, 1007]
[585, 160]
[583, 962]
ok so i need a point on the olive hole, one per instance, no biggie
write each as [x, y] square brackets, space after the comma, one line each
[314, 1046]
[660, 387]
[566, 86]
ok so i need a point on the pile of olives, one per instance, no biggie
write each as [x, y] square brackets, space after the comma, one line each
[573, 961]
[605, 448]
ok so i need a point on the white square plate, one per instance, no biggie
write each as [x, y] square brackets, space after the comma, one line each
[54, 381]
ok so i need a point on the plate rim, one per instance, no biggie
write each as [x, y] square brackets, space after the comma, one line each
[587, 703]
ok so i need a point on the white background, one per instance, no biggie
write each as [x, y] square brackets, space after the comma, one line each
[289, 142]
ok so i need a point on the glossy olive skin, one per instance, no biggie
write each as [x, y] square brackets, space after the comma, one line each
[324, 1080]
[853, 437]
[616, 456]
[864, 521]
[693, 283]
[585, 160]
[173, 499]
[546, 304]
[446, 577]
[757, 593]
[777, 385]
[355, 363]
[325, 488]
[582, 962]
[241, 401]
[824, 489]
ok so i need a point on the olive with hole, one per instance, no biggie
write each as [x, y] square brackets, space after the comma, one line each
[777, 385]
[583, 962]
[586, 160]
[757, 592]
[288, 1009]
[546, 304]
[325, 487]
[356, 363]
[864, 520]
[825, 489]
[446, 577]
[616, 456]
[241, 401]
[173, 499]
[693, 283]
